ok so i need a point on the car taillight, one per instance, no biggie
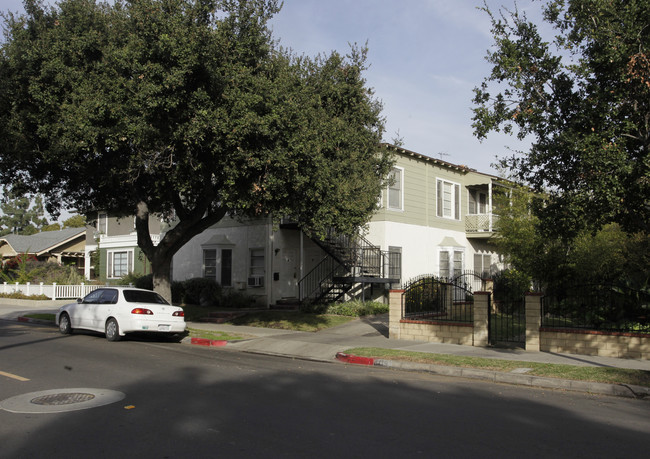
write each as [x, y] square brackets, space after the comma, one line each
[144, 311]
[179, 314]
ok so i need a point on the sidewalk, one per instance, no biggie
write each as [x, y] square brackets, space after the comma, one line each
[330, 346]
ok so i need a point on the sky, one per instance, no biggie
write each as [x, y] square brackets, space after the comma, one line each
[425, 58]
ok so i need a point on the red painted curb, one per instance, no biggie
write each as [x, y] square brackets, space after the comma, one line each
[24, 319]
[347, 358]
[208, 342]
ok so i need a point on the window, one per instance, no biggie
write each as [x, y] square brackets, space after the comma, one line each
[120, 263]
[256, 271]
[483, 263]
[477, 203]
[395, 191]
[212, 265]
[448, 199]
[394, 262]
[102, 224]
[450, 263]
[443, 269]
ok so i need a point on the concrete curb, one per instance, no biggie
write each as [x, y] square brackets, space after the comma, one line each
[207, 342]
[618, 390]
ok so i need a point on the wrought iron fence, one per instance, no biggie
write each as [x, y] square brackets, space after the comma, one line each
[598, 307]
[431, 298]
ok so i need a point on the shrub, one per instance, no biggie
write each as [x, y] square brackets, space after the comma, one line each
[236, 300]
[357, 308]
[510, 283]
[22, 296]
[178, 291]
[201, 291]
[31, 270]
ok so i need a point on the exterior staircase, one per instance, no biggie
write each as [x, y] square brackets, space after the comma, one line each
[350, 260]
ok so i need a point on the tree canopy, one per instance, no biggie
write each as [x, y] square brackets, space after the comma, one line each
[186, 109]
[21, 214]
[584, 101]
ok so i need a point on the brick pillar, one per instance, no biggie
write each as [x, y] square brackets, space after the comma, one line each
[533, 321]
[481, 318]
[395, 313]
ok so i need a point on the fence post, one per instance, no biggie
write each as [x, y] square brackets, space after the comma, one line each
[54, 290]
[5, 288]
[481, 302]
[40, 288]
[394, 313]
[533, 321]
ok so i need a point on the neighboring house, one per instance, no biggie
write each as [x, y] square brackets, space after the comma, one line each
[65, 247]
[434, 218]
[112, 249]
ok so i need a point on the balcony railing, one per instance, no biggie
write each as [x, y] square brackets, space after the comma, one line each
[481, 223]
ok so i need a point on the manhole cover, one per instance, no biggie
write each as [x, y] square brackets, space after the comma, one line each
[60, 400]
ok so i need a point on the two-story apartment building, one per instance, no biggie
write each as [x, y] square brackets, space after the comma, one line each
[434, 217]
[438, 215]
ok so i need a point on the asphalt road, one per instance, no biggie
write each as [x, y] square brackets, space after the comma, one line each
[187, 401]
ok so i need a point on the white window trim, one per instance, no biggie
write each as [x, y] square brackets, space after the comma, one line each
[401, 191]
[110, 262]
[456, 200]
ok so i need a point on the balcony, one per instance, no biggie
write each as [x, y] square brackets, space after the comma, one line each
[480, 225]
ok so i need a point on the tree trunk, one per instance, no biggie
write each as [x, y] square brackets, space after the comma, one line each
[162, 276]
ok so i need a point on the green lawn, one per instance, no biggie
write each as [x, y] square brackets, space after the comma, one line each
[577, 373]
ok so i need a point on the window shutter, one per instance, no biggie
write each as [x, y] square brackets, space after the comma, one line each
[457, 202]
[439, 198]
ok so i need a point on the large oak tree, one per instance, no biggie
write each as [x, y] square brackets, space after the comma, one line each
[188, 110]
[581, 94]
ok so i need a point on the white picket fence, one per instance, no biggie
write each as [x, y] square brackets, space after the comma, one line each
[53, 291]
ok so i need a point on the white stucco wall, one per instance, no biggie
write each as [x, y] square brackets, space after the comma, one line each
[420, 245]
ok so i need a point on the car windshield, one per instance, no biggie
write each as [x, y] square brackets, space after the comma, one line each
[140, 296]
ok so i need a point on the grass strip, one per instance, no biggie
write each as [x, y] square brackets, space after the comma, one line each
[46, 317]
[292, 320]
[548, 370]
[214, 335]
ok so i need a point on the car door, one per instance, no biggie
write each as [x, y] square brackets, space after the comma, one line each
[86, 310]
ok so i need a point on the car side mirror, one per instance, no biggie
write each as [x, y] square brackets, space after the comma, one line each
[79, 300]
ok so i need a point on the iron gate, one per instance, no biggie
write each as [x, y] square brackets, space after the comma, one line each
[507, 320]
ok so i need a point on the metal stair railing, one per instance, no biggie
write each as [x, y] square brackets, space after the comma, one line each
[355, 252]
[318, 282]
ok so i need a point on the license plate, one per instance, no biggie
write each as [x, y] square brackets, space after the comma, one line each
[164, 327]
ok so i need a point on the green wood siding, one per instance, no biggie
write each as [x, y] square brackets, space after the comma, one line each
[419, 182]
[141, 264]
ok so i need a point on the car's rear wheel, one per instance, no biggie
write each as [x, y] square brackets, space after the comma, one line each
[65, 326]
[112, 330]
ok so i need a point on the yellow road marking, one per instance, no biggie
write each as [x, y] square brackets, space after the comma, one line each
[9, 375]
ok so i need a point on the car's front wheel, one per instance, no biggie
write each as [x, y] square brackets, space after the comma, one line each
[65, 327]
[112, 330]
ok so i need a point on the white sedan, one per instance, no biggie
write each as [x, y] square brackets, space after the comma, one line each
[116, 311]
